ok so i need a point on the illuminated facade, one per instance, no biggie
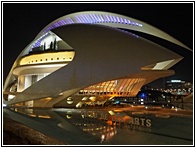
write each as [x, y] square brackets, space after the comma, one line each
[87, 57]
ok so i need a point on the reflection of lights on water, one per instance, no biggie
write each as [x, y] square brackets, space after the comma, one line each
[162, 116]
[107, 136]
[69, 114]
[102, 137]
[42, 116]
[97, 128]
[60, 94]
[112, 134]
[146, 107]
[83, 116]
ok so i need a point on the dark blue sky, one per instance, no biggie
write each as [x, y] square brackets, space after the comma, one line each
[22, 22]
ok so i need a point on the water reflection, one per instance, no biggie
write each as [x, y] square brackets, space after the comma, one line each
[102, 126]
[88, 121]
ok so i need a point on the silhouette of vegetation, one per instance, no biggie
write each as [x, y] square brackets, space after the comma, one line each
[42, 48]
[54, 44]
[51, 46]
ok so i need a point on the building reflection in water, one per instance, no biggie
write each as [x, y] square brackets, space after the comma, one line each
[102, 126]
[100, 123]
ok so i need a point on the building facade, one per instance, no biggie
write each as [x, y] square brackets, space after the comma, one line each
[88, 56]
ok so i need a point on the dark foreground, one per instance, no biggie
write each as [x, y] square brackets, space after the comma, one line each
[15, 133]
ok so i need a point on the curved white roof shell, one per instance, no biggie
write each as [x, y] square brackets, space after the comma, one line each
[112, 20]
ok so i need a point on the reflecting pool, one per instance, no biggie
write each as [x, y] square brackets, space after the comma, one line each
[109, 126]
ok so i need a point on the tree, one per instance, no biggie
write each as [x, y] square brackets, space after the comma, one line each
[51, 46]
[55, 44]
[44, 45]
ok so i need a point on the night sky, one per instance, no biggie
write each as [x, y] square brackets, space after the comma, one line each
[22, 22]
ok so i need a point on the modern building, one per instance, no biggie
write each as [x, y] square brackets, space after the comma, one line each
[88, 56]
[179, 87]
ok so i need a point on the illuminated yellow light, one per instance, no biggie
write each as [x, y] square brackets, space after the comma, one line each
[85, 98]
[79, 104]
[48, 98]
[32, 115]
[109, 122]
[111, 112]
[46, 117]
[110, 89]
[64, 56]
[111, 97]
[18, 104]
[69, 100]
[118, 110]
[92, 98]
